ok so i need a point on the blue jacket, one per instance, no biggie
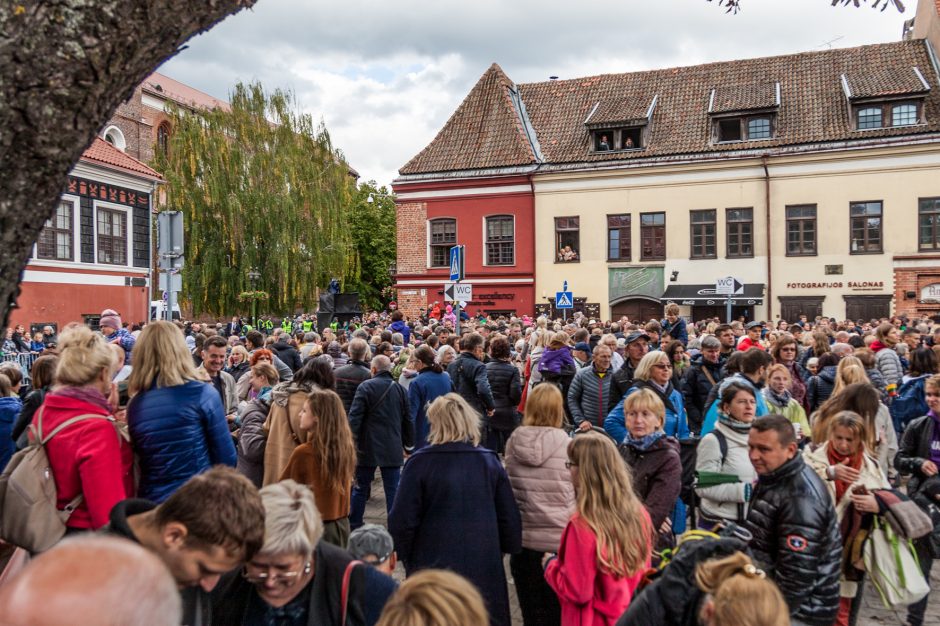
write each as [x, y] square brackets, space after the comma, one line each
[401, 327]
[677, 423]
[455, 510]
[178, 432]
[10, 408]
[711, 417]
[678, 330]
[424, 389]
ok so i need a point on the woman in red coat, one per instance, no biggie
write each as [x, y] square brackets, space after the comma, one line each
[91, 457]
[606, 548]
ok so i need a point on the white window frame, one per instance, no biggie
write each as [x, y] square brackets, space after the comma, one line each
[486, 242]
[76, 235]
[128, 216]
[117, 135]
[427, 239]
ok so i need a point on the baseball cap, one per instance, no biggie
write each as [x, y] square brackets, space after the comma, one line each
[583, 347]
[371, 539]
[636, 335]
[751, 325]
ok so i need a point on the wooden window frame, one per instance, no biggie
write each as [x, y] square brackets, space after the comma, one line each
[567, 228]
[732, 225]
[643, 233]
[623, 241]
[743, 127]
[499, 243]
[935, 226]
[802, 220]
[442, 244]
[887, 113]
[697, 252]
[49, 235]
[881, 223]
[107, 243]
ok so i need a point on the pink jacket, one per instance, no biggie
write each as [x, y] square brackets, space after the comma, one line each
[535, 462]
[588, 596]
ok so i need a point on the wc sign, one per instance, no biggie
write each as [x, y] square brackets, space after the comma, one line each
[729, 286]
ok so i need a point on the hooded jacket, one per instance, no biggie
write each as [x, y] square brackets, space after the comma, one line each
[797, 541]
[287, 353]
[657, 476]
[535, 462]
[399, 326]
[252, 440]
[10, 408]
[282, 428]
[820, 387]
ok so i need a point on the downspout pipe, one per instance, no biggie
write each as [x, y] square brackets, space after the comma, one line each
[770, 302]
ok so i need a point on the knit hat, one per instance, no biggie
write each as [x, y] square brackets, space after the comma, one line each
[371, 539]
[110, 319]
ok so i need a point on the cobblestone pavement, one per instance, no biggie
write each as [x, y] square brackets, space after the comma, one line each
[873, 613]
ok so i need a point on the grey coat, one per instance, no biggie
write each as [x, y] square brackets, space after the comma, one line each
[252, 440]
[589, 396]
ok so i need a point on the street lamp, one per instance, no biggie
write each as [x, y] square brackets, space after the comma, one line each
[253, 276]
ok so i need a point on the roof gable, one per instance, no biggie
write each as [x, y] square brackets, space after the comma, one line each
[485, 131]
[102, 153]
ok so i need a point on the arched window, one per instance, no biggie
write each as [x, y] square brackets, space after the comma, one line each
[163, 137]
[114, 136]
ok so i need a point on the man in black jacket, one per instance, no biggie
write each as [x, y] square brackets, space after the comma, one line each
[469, 375]
[703, 374]
[354, 373]
[380, 420]
[285, 351]
[198, 543]
[637, 345]
[793, 520]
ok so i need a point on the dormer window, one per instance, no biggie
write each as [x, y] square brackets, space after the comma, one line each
[886, 99]
[620, 125]
[744, 112]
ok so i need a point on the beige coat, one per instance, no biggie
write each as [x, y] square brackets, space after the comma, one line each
[228, 383]
[535, 462]
[283, 430]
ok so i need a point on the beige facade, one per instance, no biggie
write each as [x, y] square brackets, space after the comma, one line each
[839, 281]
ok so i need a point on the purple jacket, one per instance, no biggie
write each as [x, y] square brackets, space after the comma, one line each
[555, 360]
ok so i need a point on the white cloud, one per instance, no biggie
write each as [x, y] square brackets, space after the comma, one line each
[385, 76]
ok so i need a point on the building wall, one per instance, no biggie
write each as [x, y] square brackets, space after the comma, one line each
[896, 176]
[927, 22]
[131, 120]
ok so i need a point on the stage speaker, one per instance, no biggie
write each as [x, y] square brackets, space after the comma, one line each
[347, 304]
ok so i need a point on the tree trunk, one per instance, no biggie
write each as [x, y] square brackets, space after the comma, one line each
[65, 66]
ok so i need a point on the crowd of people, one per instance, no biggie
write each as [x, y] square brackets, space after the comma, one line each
[635, 472]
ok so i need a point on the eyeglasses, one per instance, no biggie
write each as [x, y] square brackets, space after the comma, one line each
[255, 574]
[570, 464]
[663, 366]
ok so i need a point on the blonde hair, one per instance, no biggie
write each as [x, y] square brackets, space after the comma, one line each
[434, 598]
[779, 368]
[83, 353]
[741, 593]
[645, 367]
[609, 506]
[645, 399]
[240, 350]
[268, 371]
[849, 370]
[672, 309]
[161, 358]
[292, 524]
[544, 407]
[855, 423]
[332, 438]
[450, 419]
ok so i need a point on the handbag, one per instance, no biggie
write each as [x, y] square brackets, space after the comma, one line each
[892, 565]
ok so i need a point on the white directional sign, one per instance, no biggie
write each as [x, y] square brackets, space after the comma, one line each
[458, 292]
[729, 286]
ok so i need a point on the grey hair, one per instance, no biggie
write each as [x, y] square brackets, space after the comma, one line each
[308, 337]
[443, 350]
[382, 363]
[398, 339]
[358, 349]
[710, 342]
[292, 524]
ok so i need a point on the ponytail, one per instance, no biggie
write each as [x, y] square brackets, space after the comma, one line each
[426, 356]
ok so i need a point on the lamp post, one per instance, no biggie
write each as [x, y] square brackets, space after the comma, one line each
[253, 276]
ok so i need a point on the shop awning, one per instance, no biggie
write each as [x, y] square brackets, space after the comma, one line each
[704, 295]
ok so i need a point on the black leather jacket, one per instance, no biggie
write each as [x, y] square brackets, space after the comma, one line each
[695, 388]
[914, 450]
[797, 540]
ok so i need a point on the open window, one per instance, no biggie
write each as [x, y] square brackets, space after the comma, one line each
[744, 112]
[620, 125]
[567, 239]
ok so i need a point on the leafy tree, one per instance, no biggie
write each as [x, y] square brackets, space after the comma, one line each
[66, 66]
[372, 230]
[260, 186]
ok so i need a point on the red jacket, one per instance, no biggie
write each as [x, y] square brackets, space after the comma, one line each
[588, 596]
[88, 457]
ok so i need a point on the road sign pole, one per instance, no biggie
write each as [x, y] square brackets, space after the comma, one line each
[457, 310]
[729, 309]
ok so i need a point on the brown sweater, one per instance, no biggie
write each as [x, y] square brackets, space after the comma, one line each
[304, 467]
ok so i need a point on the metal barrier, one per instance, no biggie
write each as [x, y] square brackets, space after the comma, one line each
[24, 360]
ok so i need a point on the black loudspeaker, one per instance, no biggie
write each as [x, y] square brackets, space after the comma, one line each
[323, 320]
[326, 302]
[347, 304]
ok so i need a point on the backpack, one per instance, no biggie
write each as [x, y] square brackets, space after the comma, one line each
[29, 517]
[909, 403]
[688, 453]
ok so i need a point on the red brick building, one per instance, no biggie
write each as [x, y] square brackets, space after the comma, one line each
[472, 188]
[95, 252]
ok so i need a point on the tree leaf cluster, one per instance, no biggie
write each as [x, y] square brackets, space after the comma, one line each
[373, 234]
[260, 186]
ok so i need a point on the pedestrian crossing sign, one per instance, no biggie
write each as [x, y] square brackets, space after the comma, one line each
[564, 300]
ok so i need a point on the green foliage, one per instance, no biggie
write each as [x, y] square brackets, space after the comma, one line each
[260, 186]
[372, 231]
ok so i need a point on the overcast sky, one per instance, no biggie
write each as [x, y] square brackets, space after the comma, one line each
[385, 76]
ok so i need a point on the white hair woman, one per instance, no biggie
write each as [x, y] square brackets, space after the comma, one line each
[296, 578]
[453, 489]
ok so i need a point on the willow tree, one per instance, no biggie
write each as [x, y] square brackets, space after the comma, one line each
[261, 187]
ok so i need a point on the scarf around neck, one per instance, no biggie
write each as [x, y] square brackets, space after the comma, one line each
[779, 399]
[643, 443]
[852, 460]
[734, 424]
[86, 394]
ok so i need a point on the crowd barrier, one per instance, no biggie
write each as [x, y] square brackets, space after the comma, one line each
[24, 360]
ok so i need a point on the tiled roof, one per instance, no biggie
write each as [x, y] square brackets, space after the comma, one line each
[485, 131]
[885, 81]
[164, 86]
[619, 110]
[100, 152]
[730, 98]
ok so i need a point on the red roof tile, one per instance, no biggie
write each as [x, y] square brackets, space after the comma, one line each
[164, 86]
[100, 152]
[485, 131]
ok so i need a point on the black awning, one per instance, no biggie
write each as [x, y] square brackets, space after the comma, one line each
[704, 295]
